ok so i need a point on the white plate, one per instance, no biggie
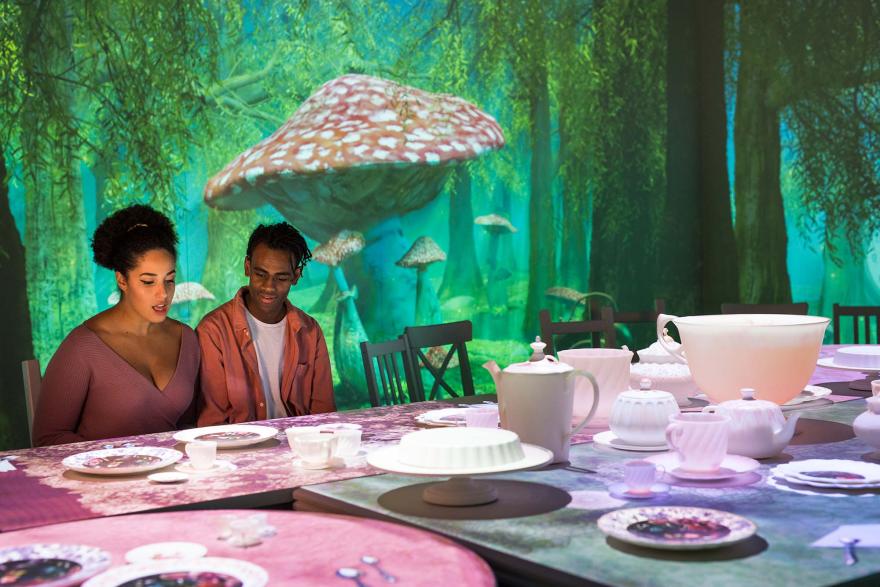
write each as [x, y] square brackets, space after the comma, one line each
[219, 466]
[122, 461]
[340, 426]
[443, 417]
[76, 564]
[676, 528]
[609, 439]
[228, 435]
[832, 471]
[385, 458]
[731, 466]
[249, 574]
[809, 394]
[829, 362]
[168, 477]
[165, 551]
[810, 482]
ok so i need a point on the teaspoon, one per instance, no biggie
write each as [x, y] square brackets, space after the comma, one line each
[350, 573]
[374, 562]
[849, 550]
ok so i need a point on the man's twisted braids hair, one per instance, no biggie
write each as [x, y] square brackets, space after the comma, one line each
[282, 237]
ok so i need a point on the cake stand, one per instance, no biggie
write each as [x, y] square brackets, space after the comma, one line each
[461, 489]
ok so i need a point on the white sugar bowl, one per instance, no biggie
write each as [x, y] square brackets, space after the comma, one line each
[640, 416]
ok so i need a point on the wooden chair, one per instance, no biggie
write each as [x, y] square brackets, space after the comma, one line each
[433, 336]
[30, 374]
[604, 327]
[645, 319]
[393, 370]
[798, 308]
[857, 312]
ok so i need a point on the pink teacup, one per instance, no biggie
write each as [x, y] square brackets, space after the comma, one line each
[700, 439]
[639, 476]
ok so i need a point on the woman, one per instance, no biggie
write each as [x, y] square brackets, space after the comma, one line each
[128, 370]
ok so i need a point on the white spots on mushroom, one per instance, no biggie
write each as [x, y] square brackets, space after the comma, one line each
[331, 101]
[327, 134]
[389, 142]
[445, 148]
[351, 138]
[225, 178]
[360, 150]
[339, 90]
[412, 156]
[381, 154]
[306, 151]
[279, 154]
[394, 127]
[377, 100]
[414, 145]
[458, 147]
[309, 134]
[432, 157]
[252, 174]
[323, 151]
[383, 116]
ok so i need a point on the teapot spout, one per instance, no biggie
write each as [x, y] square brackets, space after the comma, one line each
[494, 370]
[782, 437]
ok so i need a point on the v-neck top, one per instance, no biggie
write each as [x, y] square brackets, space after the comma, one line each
[89, 392]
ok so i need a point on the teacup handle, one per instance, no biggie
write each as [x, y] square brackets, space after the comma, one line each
[659, 471]
[595, 385]
[662, 321]
[673, 435]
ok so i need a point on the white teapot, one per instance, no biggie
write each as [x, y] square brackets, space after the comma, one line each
[757, 428]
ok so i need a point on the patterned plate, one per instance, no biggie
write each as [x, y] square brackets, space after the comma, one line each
[228, 435]
[122, 461]
[216, 572]
[50, 565]
[831, 472]
[809, 394]
[443, 417]
[676, 528]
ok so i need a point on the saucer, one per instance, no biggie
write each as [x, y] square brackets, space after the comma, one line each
[731, 466]
[168, 477]
[829, 363]
[218, 467]
[609, 439]
[622, 490]
[165, 551]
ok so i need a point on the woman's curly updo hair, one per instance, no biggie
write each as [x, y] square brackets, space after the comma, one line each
[127, 234]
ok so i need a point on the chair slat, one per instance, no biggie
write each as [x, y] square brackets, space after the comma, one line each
[456, 334]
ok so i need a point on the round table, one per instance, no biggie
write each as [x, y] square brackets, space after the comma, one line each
[308, 548]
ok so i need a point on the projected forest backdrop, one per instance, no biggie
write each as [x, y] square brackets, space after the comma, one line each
[700, 152]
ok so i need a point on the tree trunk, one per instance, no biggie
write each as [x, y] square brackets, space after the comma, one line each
[574, 265]
[760, 221]
[461, 276]
[718, 262]
[16, 345]
[542, 235]
[228, 234]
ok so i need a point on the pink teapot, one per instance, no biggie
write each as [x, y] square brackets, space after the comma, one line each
[757, 428]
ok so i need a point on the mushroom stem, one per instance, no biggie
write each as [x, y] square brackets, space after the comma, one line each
[341, 282]
[427, 305]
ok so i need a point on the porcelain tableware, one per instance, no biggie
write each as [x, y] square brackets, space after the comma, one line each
[482, 417]
[639, 476]
[731, 466]
[536, 398]
[675, 378]
[867, 424]
[315, 450]
[51, 565]
[228, 435]
[757, 428]
[700, 439]
[214, 571]
[168, 477]
[201, 453]
[294, 431]
[809, 394]
[773, 353]
[165, 551]
[348, 442]
[609, 439]
[122, 461]
[640, 417]
[676, 528]
[219, 466]
[610, 368]
[837, 471]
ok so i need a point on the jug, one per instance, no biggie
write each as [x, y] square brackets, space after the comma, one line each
[536, 397]
[610, 367]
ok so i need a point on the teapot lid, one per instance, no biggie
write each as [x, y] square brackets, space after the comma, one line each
[750, 402]
[539, 363]
[645, 391]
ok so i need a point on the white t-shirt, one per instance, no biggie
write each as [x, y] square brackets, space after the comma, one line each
[269, 344]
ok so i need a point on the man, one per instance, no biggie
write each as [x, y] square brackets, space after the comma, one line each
[262, 357]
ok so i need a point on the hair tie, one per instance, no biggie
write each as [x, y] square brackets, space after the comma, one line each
[137, 226]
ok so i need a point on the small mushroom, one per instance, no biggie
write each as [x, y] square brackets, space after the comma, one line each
[422, 253]
[187, 291]
[332, 253]
[495, 225]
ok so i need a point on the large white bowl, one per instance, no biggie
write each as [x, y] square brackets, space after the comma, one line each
[460, 448]
[775, 354]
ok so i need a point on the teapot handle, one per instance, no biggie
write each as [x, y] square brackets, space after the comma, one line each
[595, 405]
[662, 321]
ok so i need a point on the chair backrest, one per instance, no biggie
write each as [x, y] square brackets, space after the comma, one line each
[388, 364]
[30, 374]
[857, 312]
[431, 337]
[644, 320]
[604, 326]
[799, 308]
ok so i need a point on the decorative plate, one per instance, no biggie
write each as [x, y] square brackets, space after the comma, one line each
[676, 528]
[165, 551]
[228, 435]
[809, 394]
[50, 565]
[340, 426]
[831, 472]
[122, 461]
[443, 417]
[195, 572]
[385, 458]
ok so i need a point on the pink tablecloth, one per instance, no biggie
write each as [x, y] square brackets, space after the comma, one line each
[307, 550]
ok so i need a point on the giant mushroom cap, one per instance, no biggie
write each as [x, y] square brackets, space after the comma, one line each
[343, 245]
[422, 253]
[495, 223]
[357, 151]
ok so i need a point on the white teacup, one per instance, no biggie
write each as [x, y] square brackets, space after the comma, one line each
[201, 453]
[295, 431]
[700, 439]
[315, 450]
[481, 417]
[639, 476]
[348, 442]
